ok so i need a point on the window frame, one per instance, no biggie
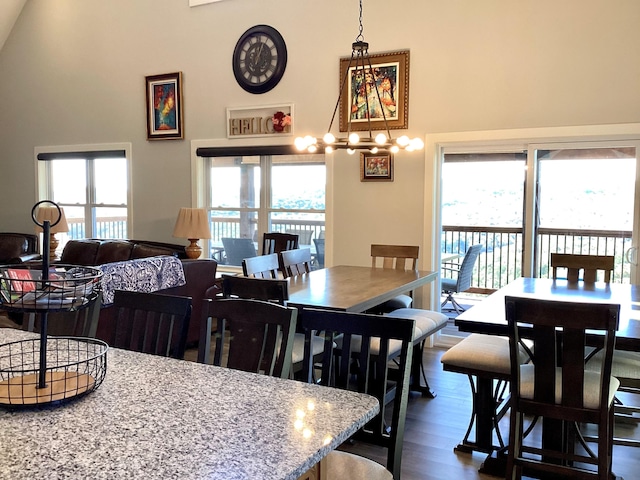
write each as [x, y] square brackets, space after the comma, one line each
[202, 150]
[43, 156]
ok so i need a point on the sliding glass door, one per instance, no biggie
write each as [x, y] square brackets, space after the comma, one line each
[587, 204]
[525, 204]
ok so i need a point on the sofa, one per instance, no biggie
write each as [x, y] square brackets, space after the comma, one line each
[200, 274]
[93, 251]
[16, 248]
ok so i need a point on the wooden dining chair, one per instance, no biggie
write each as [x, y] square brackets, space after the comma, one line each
[252, 335]
[380, 366]
[276, 242]
[589, 264]
[268, 290]
[82, 322]
[557, 387]
[626, 365]
[262, 266]
[295, 262]
[400, 257]
[151, 323]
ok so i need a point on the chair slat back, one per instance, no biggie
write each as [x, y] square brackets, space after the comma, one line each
[339, 366]
[76, 323]
[266, 289]
[400, 257]
[262, 266]
[558, 331]
[295, 262]
[590, 264]
[276, 242]
[253, 335]
[151, 323]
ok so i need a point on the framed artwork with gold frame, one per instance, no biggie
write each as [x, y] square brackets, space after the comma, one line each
[391, 74]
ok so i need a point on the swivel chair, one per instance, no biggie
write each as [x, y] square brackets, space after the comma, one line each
[463, 280]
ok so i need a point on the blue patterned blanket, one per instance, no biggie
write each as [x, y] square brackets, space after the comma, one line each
[141, 275]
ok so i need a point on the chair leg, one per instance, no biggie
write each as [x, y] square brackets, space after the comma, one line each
[417, 372]
[456, 306]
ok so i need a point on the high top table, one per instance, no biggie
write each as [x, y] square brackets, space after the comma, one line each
[353, 289]
[158, 418]
[489, 317]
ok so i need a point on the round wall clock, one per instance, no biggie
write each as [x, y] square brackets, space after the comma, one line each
[259, 59]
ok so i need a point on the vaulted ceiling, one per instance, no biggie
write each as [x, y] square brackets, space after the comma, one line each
[9, 12]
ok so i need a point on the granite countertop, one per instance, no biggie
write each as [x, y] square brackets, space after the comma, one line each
[155, 417]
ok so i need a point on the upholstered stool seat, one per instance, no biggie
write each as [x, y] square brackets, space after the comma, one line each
[485, 358]
[428, 322]
[399, 301]
[297, 352]
[343, 465]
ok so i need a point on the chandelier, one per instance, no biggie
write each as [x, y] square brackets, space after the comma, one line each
[362, 68]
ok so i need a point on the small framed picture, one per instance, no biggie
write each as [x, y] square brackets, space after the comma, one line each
[164, 106]
[376, 167]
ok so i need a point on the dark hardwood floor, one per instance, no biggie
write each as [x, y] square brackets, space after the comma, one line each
[435, 426]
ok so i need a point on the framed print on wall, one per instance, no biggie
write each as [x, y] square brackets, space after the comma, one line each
[376, 167]
[164, 106]
[391, 73]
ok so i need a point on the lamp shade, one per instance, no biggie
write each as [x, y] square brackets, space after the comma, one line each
[192, 223]
[51, 215]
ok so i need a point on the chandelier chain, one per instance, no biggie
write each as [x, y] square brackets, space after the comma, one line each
[360, 36]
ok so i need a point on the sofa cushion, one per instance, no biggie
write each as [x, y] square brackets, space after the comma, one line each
[12, 246]
[143, 250]
[113, 251]
[80, 252]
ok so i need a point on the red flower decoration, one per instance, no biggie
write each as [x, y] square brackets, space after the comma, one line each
[280, 120]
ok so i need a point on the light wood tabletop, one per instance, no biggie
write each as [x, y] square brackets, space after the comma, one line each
[353, 289]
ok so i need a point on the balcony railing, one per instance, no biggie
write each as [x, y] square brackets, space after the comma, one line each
[231, 227]
[499, 262]
[502, 255]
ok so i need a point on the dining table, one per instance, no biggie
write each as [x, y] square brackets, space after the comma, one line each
[157, 418]
[489, 317]
[353, 288]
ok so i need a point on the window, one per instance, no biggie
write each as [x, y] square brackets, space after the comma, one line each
[92, 187]
[253, 194]
[483, 202]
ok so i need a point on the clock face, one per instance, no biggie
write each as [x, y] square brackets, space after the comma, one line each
[259, 59]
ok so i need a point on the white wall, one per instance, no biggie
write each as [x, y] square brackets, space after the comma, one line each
[72, 72]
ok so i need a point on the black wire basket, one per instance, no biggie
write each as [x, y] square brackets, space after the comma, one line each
[73, 368]
[26, 288]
